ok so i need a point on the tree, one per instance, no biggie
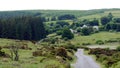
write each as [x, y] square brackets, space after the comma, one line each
[94, 22]
[118, 27]
[67, 34]
[62, 23]
[113, 26]
[59, 32]
[108, 27]
[79, 29]
[110, 16]
[53, 19]
[66, 17]
[86, 31]
[104, 20]
[23, 28]
[116, 20]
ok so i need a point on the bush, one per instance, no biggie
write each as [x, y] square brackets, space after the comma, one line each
[37, 53]
[66, 17]
[0, 48]
[67, 65]
[112, 40]
[78, 29]
[118, 48]
[86, 31]
[62, 23]
[101, 28]
[86, 43]
[66, 39]
[3, 54]
[59, 32]
[69, 45]
[96, 31]
[67, 34]
[52, 66]
[61, 52]
[53, 40]
[100, 42]
[107, 49]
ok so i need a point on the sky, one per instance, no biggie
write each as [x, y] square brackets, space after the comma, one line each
[8, 5]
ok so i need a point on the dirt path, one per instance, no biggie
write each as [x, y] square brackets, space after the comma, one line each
[84, 61]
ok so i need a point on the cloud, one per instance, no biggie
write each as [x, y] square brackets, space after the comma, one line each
[57, 4]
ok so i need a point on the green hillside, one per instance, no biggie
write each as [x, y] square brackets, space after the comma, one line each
[78, 13]
[50, 38]
[115, 13]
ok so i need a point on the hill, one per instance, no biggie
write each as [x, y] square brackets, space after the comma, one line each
[78, 13]
[115, 13]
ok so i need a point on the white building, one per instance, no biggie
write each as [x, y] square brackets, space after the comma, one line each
[96, 28]
[84, 26]
[73, 31]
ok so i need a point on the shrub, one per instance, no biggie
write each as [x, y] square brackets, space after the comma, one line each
[86, 43]
[52, 66]
[86, 31]
[118, 48]
[37, 53]
[102, 57]
[96, 31]
[53, 40]
[83, 47]
[100, 42]
[67, 65]
[79, 29]
[71, 51]
[61, 52]
[107, 49]
[59, 32]
[0, 48]
[66, 17]
[112, 40]
[66, 39]
[67, 34]
[2, 53]
[69, 45]
[69, 58]
[101, 28]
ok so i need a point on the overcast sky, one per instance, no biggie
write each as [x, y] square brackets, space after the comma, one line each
[57, 4]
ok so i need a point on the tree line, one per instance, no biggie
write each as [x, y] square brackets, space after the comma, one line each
[23, 28]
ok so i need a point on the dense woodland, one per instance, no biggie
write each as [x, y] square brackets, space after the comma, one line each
[23, 28]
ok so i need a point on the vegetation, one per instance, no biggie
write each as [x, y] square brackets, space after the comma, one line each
[85, 31]
[58, 34]
[37, 56]
[67, 34]
[92, 39]
[118, 48]
[100, 42]
[23, 28]
[107, 57]
[66, 17]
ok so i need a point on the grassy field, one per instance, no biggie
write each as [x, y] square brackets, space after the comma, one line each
[26, 58]
[98, 15]
[79, 40]
[115, 13]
